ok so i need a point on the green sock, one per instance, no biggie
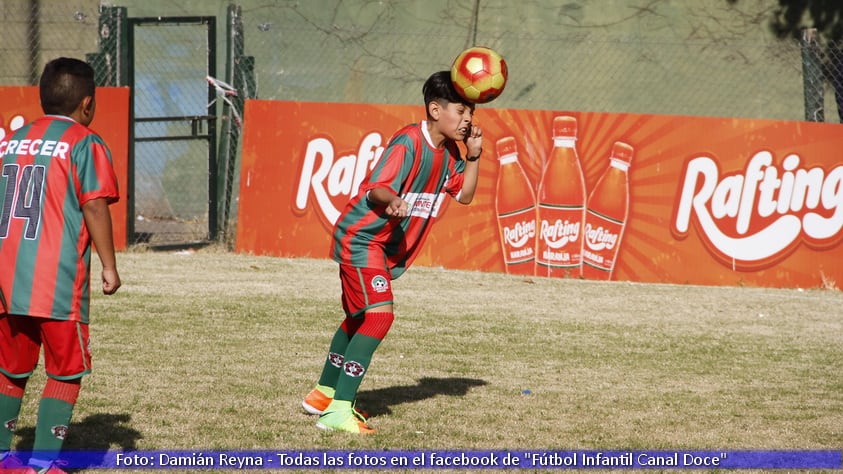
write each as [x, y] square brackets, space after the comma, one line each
[336, 351]
[9, 411]
[53, 423]
[358, 356]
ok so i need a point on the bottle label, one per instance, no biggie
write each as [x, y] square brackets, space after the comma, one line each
[518, 234]
[560, 236]
[601, 241]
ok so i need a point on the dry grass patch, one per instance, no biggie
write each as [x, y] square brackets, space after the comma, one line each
[211, 350]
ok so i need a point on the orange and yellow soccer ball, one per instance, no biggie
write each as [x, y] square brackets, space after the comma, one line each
[479, 74]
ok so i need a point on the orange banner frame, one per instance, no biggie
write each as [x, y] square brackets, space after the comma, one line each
[712, 201]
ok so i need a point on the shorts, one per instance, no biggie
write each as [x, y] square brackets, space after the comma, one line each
[67, 353]
[364, 288]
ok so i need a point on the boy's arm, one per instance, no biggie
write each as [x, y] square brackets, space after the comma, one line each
[473, 147]
[383, 196]
[98, 219]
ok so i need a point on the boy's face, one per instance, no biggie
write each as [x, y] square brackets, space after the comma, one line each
[454, 120]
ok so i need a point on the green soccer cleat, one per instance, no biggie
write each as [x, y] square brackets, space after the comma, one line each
[316, 402]
[343, 420]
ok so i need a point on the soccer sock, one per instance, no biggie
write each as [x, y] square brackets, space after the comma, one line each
[336, 352]
[359, 353]
[54, 413]
[11, 396]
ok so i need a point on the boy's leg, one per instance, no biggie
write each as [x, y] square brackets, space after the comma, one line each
[336, 352]
[54, 413]
[11, 396]
[20, 346]
[339, 415]
[359, 353]
[362, 290]
[66, 360]
[318, 399]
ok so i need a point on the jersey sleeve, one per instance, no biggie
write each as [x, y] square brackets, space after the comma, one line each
[94, 170]
[394, 167]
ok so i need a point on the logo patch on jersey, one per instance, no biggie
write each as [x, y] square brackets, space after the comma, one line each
[424, 205]
[335, 359]
[353, 369]
[380, 284]
[59, 431]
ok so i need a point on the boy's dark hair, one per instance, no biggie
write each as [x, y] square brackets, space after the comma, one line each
[439, 87]
[64, 83]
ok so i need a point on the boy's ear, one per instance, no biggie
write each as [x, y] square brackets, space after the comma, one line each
[434, 108]
[86, 107]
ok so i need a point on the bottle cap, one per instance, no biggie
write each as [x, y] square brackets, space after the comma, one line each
[564, 126]
[506, 146]
[622, 151]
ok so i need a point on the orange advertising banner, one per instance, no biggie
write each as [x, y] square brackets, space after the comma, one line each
[20, 105]
[645, 198]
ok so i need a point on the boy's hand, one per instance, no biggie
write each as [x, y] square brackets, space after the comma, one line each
[474, 141]
[397, 208]
[110, 281]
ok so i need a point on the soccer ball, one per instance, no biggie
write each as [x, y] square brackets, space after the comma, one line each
[479, 74]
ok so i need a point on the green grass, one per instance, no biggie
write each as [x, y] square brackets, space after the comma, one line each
[212, 350]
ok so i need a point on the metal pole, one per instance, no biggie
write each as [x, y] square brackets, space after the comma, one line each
[33, 36]
[812, 76]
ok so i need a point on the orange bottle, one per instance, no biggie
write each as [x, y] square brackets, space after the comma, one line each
[561, 205]
[515, 206]
[606, 215]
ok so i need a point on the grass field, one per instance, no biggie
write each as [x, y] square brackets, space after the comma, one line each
[212, 350]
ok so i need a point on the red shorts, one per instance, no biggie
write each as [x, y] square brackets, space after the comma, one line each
[364, 288]
[67, 353]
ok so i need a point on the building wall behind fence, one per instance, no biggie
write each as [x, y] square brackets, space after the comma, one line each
[704, 58]
[682, 58]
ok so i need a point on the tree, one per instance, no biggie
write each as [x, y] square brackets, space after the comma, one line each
[792, 16]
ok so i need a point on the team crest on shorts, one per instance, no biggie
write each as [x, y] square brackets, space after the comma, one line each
[380, 284]
[11, 424]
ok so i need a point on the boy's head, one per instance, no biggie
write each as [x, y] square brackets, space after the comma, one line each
[67, 86]
[439, 88]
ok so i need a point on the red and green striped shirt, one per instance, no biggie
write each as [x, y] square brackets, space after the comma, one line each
[422, 175]
[48, 170]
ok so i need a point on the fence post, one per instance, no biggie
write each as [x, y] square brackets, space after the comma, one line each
[110, 63]
[812, 76]
[240, 74]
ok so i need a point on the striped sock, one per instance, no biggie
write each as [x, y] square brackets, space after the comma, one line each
[336, 352]
[359, 353]
[54, 413]
[11, 396]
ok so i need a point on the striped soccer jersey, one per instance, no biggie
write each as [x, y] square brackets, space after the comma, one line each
[48, 170]
[418, 172]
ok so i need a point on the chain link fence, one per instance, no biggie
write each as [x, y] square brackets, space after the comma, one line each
[706, 58]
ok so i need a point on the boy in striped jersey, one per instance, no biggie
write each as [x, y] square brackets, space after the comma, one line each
[56, 182]
[380, 232]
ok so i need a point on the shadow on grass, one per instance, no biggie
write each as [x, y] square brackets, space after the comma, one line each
[378, 402]
[95, 434]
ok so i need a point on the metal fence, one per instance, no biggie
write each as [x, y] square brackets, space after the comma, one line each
[722, 63]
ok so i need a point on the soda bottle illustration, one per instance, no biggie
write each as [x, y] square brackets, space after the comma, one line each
[515, 206]
[606, 215]
[561, 205]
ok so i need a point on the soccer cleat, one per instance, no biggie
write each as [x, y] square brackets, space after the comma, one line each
[14, 466]
[316, 402]
[10, 464]
[343, 420]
